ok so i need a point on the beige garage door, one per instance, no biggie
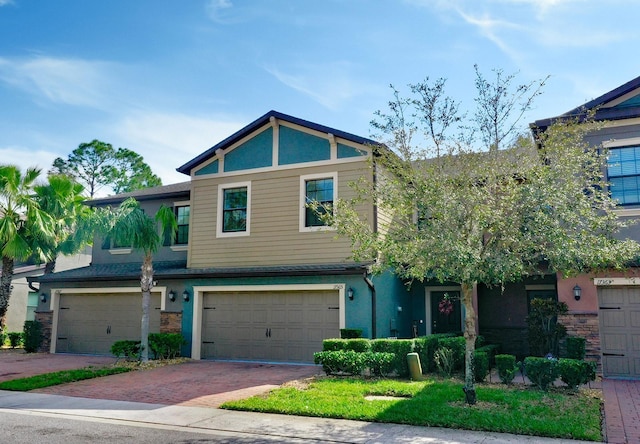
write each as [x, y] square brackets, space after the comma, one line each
[91, 323]
[620, 331]
[284, 326]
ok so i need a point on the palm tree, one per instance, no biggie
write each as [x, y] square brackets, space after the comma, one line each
[62, 199]
[129, 224]
[22, 224]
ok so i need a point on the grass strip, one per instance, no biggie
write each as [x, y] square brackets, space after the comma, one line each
[61, 377]
[440, 403]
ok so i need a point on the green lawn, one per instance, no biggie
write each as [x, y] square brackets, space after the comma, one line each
[61, 377]
[559, 413]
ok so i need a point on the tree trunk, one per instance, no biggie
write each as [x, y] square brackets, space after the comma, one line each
[5, 287]
[50, 267]
[470, 337]
[146, 284]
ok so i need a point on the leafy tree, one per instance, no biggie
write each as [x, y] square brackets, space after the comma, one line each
[129, 224]
[97, 164]
[61, 198]
[458, 215]
[22, 224]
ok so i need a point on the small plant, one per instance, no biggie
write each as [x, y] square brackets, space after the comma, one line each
[341, 362]
[457, 345]
[32, 336]
[574, 372]
[541, 371]
[166, 345]
[15, 338]
[480, 365]
[445, 360]
[350, 333]
[507, 368]
[127, 349]
[576, 347]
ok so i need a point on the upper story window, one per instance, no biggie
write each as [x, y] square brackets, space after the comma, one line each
[320, 188]
[182, 217]
[234, 209]
[623, 170]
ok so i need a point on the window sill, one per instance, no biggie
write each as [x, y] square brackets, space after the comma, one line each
[179, 247]
[120, 251]
[627, 212]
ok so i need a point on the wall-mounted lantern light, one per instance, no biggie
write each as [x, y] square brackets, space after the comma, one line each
[350, 293]
[172, 295]
[43, 297]
[185, 296]
[577, 292]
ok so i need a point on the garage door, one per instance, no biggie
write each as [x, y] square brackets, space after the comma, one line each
[285, 326]
[91, 323]
[620, 331]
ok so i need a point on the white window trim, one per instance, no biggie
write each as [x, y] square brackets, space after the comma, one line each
[303, 199]
[125, 250]
[226, 186]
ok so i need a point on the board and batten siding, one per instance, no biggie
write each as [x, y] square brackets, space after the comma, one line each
[275, 237]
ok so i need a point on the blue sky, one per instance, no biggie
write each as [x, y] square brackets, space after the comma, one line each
[169, 79]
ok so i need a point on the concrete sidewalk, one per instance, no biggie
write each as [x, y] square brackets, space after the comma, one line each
[254, 425]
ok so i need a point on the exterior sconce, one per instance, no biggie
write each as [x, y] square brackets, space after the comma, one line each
[350, 293]
[43, 297]
[577, 292]
[172, 295]
[185, 296]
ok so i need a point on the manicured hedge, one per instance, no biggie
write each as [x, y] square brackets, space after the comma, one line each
[541, 371]
[400, 348]
[575, 372]
[426, 347]
[491, 350]
[349, 362]
[359, 345]
[576, 347]
[507, 368]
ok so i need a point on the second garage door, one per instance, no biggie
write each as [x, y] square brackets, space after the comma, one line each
[620, 331]
[91, 323]
[285, 326]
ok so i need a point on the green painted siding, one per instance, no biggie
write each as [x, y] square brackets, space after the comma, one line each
[256, 152]
[212, 168]
[345, 151]
[298, 147]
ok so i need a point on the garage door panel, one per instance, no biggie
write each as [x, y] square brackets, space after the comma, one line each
[278, 322]
[620, 331]
[91, 323]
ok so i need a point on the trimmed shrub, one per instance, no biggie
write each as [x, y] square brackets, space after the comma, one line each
[166, 345]
[15, 338]
[575, 372]
[491, 350]
[32, 336]
[541, 371]
[341, 361]
[576, 347]
[400, 348]
[458, 346]
[480, 365]
[379, 363]
[357, 345]
[127, 349]
[507, 368]
[350, 333]
[480, 342]
[445, 360]
[3, 338]
[426, 347]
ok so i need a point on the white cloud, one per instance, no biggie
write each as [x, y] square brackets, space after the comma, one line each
[167, 141]
[329, 84]
[5, 2]
[25, 157]
[62, 81]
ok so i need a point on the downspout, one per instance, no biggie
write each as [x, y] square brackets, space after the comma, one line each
[372, 288]
[34, 289]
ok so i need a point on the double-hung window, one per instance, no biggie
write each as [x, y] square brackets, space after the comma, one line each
[182, 217]
[320, 189]
[234, 209]
[623, 170]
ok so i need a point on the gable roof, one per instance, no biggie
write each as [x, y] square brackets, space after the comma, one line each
[622, 102]
[259, 122]
[160, 192]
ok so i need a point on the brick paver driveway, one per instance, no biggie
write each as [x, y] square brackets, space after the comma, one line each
[193, 383]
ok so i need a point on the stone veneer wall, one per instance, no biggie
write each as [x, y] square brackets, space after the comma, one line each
[585, 325]
[45, 318]
[170, 322]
